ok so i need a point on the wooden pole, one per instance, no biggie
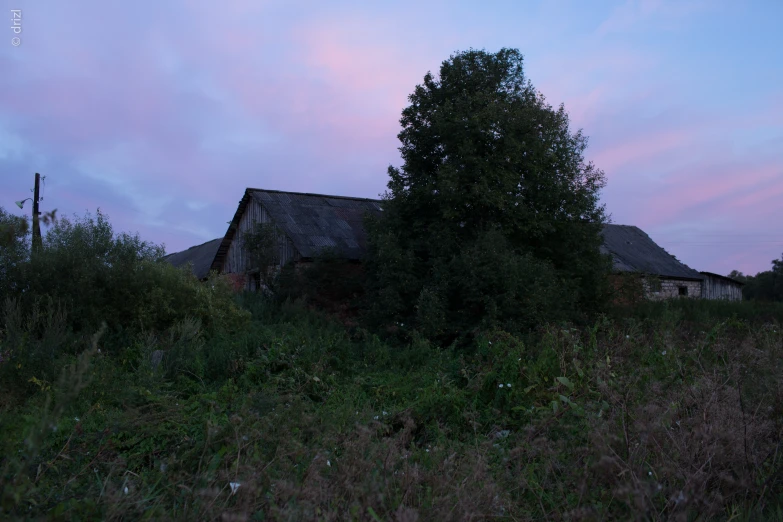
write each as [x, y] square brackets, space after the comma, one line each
[36, 213]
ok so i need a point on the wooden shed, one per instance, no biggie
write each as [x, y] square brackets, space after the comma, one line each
[716, 286]
[308, 223]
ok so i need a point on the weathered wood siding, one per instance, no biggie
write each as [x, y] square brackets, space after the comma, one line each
[236, 259]
[720, 288]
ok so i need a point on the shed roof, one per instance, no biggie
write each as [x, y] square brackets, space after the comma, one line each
[722, 277]
[311, 221]
[633, 251]
[200, 257]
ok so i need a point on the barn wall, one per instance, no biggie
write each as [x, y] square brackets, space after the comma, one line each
[670, 288]
[631, 287]
[718, 288]
[236, 258]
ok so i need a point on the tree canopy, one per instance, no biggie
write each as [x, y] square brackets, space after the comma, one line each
[494, 215]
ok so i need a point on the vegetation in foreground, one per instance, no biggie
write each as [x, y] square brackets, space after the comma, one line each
[669, 411]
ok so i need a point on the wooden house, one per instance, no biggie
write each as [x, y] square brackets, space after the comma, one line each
[308, 223]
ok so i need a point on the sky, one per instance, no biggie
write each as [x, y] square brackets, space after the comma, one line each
[160, 114]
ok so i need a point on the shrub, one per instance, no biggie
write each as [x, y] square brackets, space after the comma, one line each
[99, 276]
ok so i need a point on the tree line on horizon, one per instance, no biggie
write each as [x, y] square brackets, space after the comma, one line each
[764, 286]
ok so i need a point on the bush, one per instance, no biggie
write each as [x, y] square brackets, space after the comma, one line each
[330, 283]
[486, 284]
[99, 276]
[33, 345]
[14, 250]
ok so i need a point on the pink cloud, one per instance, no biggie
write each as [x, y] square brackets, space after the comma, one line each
[641, 149]
[762, 197]
[707, 184]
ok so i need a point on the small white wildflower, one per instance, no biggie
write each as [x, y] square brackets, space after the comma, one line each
[663, 352]
[126, 490]
[627, 336]
[329, 463]
[76, 419]
[376, 417]
[234, 486]
[385, 413]
[490, 343]
[427, 450]
[649, 473]
[500, 385]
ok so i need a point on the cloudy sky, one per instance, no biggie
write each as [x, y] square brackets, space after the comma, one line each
[161, 113]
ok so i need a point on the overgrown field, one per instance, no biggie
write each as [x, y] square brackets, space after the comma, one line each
[664, 412]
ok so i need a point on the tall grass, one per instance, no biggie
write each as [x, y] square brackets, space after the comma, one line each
[668, 412]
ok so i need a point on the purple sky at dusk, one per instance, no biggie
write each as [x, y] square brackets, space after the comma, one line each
[162, 116]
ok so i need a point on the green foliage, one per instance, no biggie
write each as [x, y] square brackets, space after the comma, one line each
[262, 244]
[33, 346]
[329, 281]
[494, 194]
[99, 276]
[14, 250]
[764, 286]
[612, 420]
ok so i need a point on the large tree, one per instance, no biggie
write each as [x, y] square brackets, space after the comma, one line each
[494, 215]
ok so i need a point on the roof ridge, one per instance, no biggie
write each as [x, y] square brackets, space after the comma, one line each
[312, 194]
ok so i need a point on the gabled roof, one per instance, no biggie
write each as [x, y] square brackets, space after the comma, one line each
[633, 251]
[200, 256]
[311, 221]
[315, 221]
